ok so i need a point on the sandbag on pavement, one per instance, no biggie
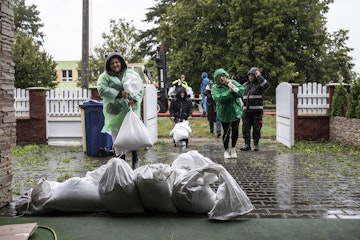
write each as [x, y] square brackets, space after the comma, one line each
[192, 192]
[74, 194]
[231, 200]
[155, 182]
[117, 189]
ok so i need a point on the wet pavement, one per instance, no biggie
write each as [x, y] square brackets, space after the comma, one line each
[279, 182]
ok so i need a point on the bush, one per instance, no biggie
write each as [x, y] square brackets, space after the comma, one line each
[339, 102]
[354, 101]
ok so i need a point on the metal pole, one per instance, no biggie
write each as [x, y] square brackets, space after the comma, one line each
[85, 46]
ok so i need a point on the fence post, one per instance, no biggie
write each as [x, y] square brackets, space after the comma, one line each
[94, 93]
[34, 129]
[295, 91]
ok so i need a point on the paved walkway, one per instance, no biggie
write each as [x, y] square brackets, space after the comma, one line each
[279, 182]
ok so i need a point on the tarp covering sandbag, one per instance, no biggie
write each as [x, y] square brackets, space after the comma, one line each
[155, 183]
[117, 189]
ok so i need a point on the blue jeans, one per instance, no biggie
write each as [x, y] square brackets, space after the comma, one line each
[218, 126]
[203, 103]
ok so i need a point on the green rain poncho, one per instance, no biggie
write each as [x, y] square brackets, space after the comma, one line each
[228, 105]
[109, 85]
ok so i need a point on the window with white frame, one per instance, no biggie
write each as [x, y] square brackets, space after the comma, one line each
[66, 75]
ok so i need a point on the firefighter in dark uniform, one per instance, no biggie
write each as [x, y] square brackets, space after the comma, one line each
[253, 108]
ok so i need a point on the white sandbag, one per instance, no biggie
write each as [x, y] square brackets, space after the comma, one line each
[155, 182]
[231, 200]
[180, 131]
[190, 160]
[133, 134]
[192, 193]
[132, 83]
[74, 194]
[24, 205]
[117, 189]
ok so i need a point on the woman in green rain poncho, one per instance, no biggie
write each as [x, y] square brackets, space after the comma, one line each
[117, 101]
[226, 94]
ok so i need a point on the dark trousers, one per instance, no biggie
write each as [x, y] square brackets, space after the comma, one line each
[252, 120]
[232, 129]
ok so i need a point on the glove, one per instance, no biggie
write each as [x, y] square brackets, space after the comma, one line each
[235, 89]
[231, 86]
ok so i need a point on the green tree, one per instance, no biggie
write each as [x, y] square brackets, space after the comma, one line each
[354, 101]
[27, 21]
[33, 68]
[339, 102]
[123, 39]
[286, 39]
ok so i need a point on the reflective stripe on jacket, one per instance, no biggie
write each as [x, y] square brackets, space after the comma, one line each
[253, 96]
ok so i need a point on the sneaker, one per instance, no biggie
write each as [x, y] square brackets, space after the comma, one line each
[245, 148]
[218, 134]
[233, 153]
[256, 148]
[227, 153]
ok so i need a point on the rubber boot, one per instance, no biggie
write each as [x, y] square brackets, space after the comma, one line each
[135, 160]
[247, 146]
[256, 145]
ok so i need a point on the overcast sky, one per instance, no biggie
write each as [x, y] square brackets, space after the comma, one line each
[63, 22]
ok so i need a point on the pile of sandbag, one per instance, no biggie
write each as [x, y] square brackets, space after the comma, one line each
[187, 185]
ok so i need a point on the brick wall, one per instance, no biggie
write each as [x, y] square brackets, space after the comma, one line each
[312, 128]
[33, 129]
[345, 130]
[7, 113]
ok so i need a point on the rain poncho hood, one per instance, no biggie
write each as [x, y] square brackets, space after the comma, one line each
[107, 63]
[252, 71]
[219, 72]
[228, 105]
[109, 85]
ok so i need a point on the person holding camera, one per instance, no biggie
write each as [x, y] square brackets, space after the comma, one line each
[226, 94]
[255, 86]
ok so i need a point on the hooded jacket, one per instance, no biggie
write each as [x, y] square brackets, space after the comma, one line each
[181, 107]
[109, 85]
[253, 96]
[204, 82]
[228, 105]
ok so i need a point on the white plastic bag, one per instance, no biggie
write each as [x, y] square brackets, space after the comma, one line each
[133, 134]
[155, 182]
[231, 200]
[74, 194]
[132, 83]
[117, 189]
[192, 192]
[181, 131]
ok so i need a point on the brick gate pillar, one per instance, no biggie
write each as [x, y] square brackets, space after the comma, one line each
[94, 93]
[37, 124]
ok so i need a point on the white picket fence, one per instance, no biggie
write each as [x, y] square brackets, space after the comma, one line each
[21, 103]
[312, 99]
[60, 102]
[64, 102]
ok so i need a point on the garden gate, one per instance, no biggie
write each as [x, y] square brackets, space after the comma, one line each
[285, 114]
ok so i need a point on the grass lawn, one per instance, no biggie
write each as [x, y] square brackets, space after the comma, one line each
[200, 127]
